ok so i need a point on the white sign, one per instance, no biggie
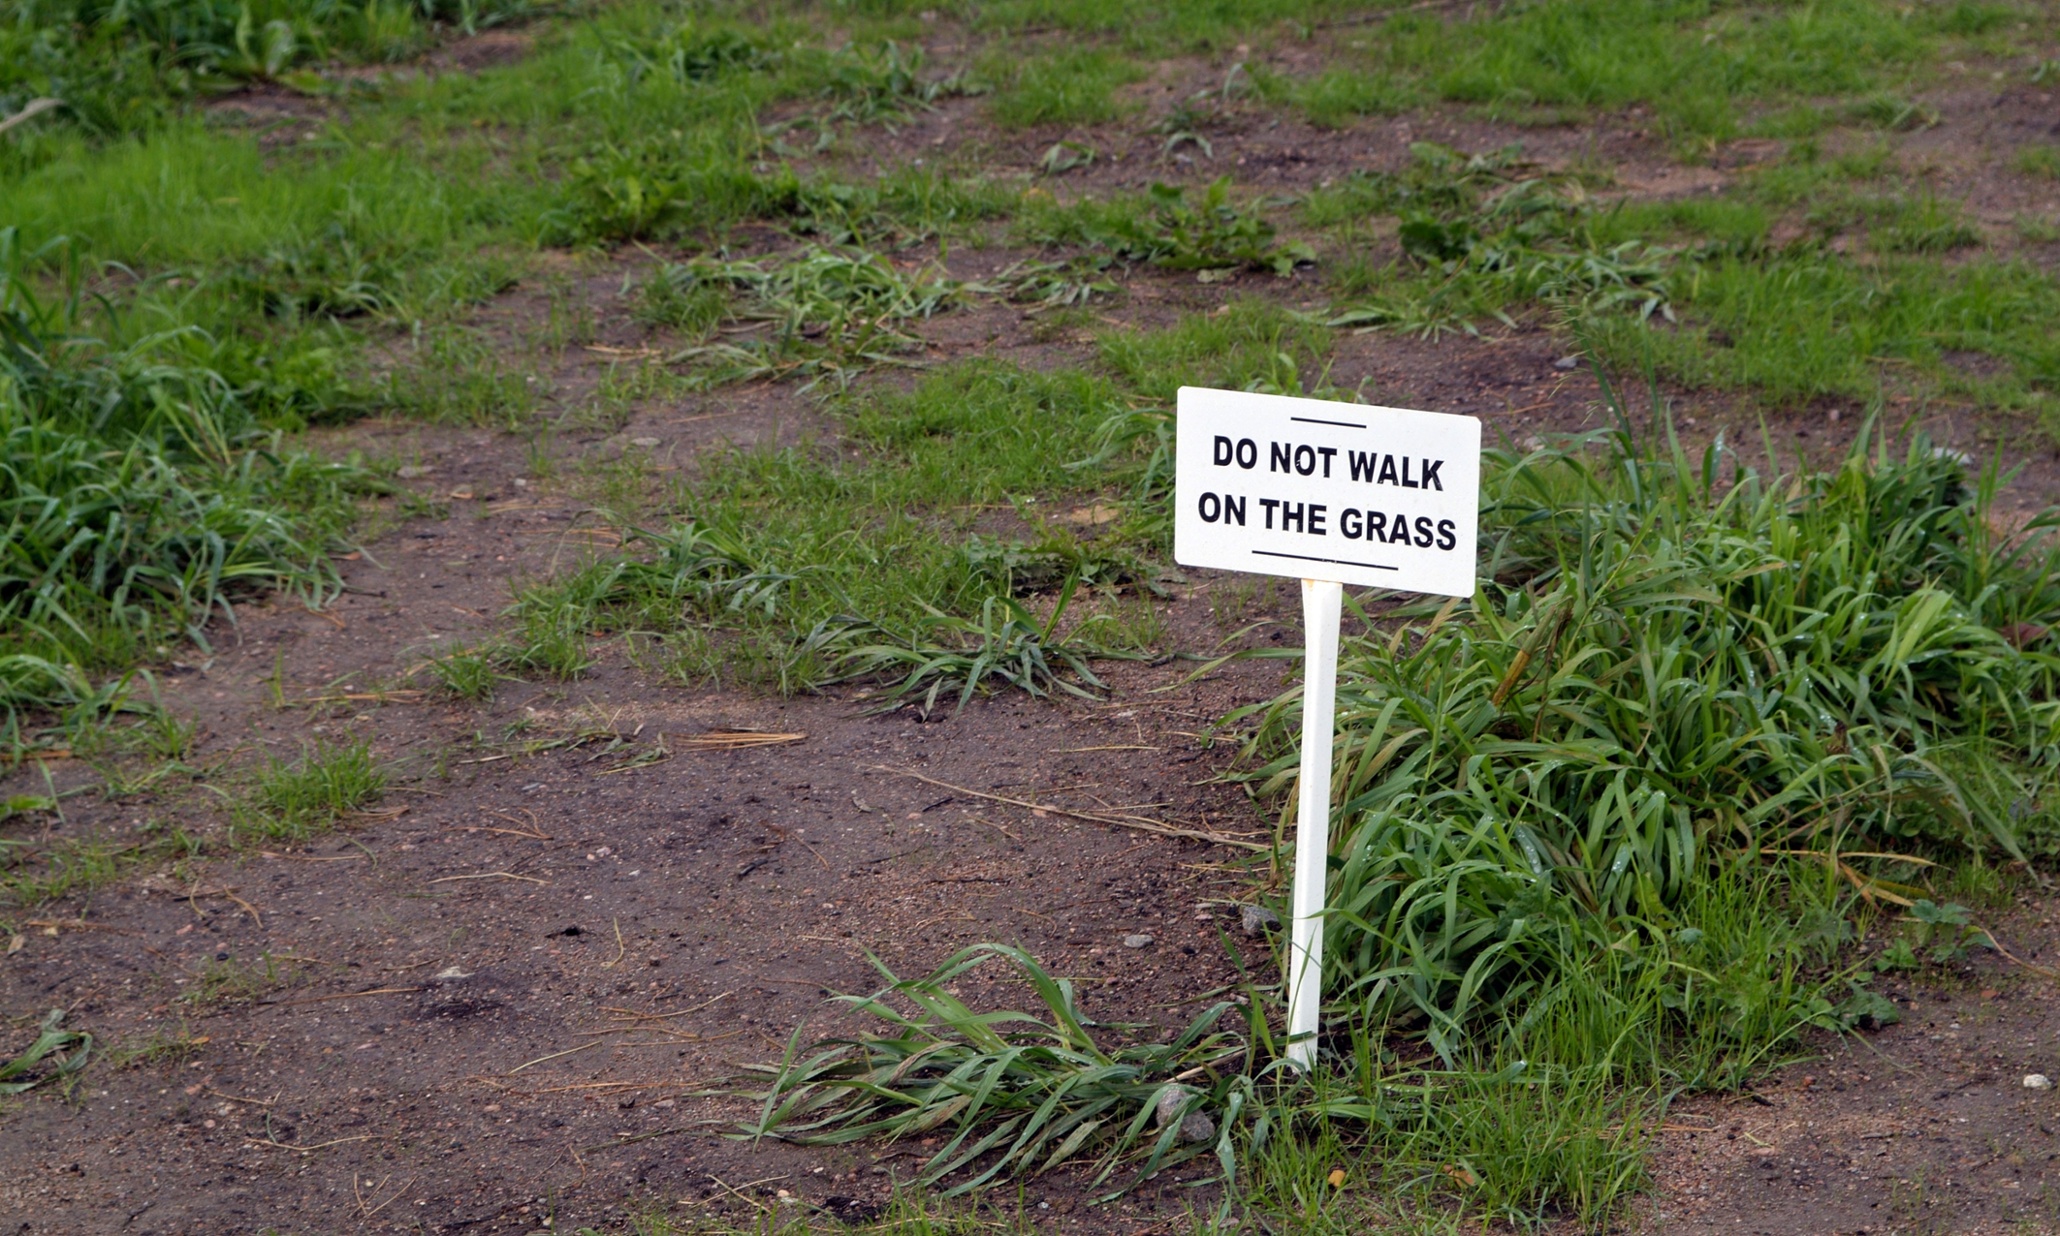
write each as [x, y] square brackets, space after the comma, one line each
[1340, 492]
[1336, 493]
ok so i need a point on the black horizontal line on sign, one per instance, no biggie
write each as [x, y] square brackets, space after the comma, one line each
[1310, 420]
[1378, 566]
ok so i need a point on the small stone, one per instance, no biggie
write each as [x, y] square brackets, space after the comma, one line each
[644, 442]
[1140, 940]
[1195, 1126]
[411, 472]
[2037, 1081]
[1171, 1100]
[1567, 362]
[1255, 920]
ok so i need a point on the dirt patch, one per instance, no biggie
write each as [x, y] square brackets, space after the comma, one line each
[371, 1026]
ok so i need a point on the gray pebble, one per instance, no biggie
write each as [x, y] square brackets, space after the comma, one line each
[1256, 919]
[1140, 940]
[1195, 1127]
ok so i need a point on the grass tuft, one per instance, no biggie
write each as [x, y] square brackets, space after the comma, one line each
[1009, 1093]
[295, 799]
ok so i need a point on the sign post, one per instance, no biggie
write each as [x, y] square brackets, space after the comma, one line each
[1332, 494]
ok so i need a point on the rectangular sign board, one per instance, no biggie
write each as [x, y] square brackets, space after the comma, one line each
[1342, 492]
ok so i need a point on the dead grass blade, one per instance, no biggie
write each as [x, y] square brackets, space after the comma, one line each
[735, 740]
[1136, 823]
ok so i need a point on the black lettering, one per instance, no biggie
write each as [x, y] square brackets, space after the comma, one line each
[1398, 529]
[1316, 510]
[1247, 454]
[1406, 482]
[1387, 470]
[1291, 514]
[1430, 474]
[1223, 451]
[1268, 504]
[1327, 452]
[1277, 458]
[1351, 523]
[1447, 534]
[1234, 510]
[1362, 465]
[1423, 532]
[1210, 507]
[1305, 460]
[1375, 521]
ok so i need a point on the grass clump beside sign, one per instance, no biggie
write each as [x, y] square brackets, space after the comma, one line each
[1602, 835]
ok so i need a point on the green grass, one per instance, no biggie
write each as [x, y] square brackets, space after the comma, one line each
[1700, 69]
[1074, 87]
[466, 673]
[294, 800]
[2041, 161]
[1696, 288]
[1601, 837]
[1795, 328]
[1020, 1093]
[772, 570]
[143, 490]
[120, 69]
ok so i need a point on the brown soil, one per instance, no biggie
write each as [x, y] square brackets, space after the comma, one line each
[502, 907]
[499, 998]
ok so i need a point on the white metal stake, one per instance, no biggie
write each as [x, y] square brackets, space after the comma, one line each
[1322, 608]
